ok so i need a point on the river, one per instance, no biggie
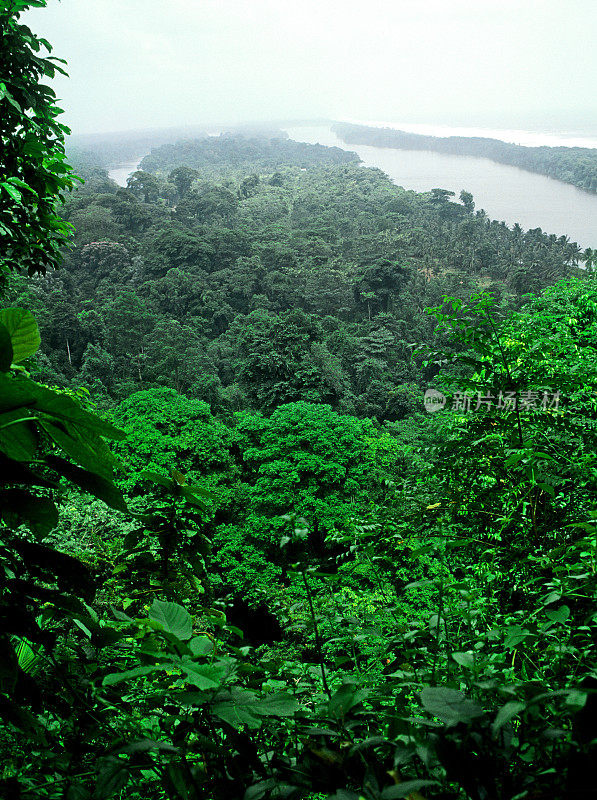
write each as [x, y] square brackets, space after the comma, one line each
[120, 172]
[505, 193]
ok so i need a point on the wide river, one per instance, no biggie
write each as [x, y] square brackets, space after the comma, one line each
[506, 193]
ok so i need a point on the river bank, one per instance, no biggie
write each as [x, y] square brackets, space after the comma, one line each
[506, 193]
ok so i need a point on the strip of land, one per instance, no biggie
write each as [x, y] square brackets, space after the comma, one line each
[575, 165]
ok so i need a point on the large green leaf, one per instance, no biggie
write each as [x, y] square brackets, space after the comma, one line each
[279, 704]
[112, 775]
[515, 635]
[346, 697]
[449, 705]
[14, 193]
[86, 449]
[206, 676]
[406, 789]
[21, 392]
[146, 745]
[560, 614]
[6, 352]
[191, 497]
[128, 675]
[96, 485]
[16, 393]
[17, 438]
[24, 333]
[18, 507]
[155, 477]
[201, 646]
[464, 659]
[171, 618]
[67, 409]
[178, 776]
[237, 708]
[506, 713]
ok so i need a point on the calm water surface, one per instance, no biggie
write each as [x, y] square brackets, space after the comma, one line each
[506, 193]
[121, 172]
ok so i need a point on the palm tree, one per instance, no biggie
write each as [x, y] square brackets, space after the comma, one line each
[574, 253]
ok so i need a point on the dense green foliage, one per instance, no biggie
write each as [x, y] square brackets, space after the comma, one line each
[575, 165]
[252, 288]
[33, 170]
[221, 155]
[375, 586]
[283, 578]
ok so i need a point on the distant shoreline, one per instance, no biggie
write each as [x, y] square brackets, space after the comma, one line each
[526, 137]
[573, 165]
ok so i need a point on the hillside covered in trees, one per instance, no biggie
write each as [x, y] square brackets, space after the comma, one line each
[575, 165]
[269, 272]
[245, 553]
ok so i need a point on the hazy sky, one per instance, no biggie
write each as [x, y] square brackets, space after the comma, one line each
[155, 63]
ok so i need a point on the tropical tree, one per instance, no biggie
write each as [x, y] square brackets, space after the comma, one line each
[33, 169]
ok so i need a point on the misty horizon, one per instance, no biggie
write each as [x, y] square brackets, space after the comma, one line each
[463, 64]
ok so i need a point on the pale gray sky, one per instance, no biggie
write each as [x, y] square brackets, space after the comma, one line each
[155, 63]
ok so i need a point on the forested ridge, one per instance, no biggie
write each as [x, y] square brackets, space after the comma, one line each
[239, 556]
[270, 271]
[575, 165]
